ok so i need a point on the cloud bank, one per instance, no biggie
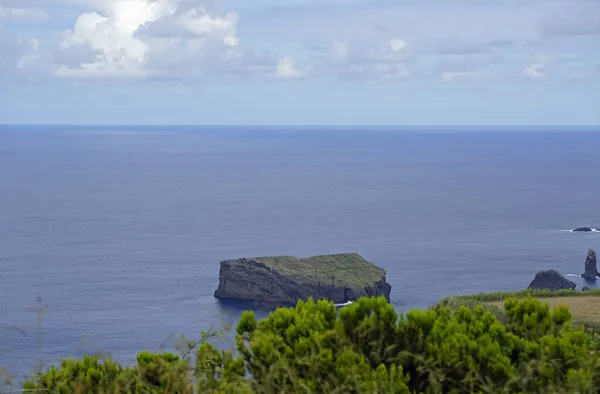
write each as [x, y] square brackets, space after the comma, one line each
[142, 38]
[380, 41]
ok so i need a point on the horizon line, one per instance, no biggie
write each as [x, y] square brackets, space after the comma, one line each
[311, 125]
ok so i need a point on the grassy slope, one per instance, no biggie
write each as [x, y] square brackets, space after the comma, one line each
[583, 309]
[584, 306]
[349, 269]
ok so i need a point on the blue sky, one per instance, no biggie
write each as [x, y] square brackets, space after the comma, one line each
[389, 62]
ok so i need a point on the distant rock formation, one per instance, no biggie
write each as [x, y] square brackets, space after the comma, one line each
[286, 279]
[586, 229]
[551, 280]
[591, 270]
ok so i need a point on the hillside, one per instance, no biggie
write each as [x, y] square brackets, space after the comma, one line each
[584, 305]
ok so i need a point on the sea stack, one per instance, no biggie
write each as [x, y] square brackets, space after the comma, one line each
[551, 280]
[591, 270]
[287, 279]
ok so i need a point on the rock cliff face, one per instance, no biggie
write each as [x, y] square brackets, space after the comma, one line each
[551, 280]
[286, 279]
[591, 270]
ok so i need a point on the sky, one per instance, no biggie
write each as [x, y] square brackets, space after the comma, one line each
[300, 62]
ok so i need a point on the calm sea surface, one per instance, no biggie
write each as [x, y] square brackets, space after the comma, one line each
[120, 230]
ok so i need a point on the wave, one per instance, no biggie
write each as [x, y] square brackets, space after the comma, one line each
[574, 275]
[344, 304]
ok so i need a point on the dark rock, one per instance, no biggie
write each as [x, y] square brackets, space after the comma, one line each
[591, 270]
[585, 288]
[585, 229]
[285, 279]
[550, 280]
[582, 230]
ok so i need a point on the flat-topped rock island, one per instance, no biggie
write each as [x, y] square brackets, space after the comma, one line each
[286, 279]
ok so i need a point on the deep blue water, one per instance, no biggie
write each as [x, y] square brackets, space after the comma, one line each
[120, 230]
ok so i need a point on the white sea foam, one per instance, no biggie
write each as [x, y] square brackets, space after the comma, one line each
[344, 304]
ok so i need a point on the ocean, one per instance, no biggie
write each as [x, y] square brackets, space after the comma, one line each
[117, 232]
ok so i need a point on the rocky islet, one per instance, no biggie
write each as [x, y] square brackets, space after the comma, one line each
[586, 229]
[553, 280]
[287, 279]
[339, 277]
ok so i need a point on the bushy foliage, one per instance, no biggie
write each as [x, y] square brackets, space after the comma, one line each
[153, 373]
[485, 300]
[364, 348]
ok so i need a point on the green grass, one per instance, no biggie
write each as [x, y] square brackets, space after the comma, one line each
[583, 308]
[584, 305]
[345, 269]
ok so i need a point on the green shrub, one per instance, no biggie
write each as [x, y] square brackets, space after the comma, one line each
[485, 299]
[365, 348]
[81, 376]
[153, 373]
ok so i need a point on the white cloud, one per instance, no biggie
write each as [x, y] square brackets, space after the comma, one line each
[534, 71]
[454, 46]
[368, 41]
[394, 49]
[16, 13]
[386, 59]
[392, 70]
[454, 76]
[50, 4]
[287, 69]
[144, 38]
[340, 51]
[20, 58]
[396, 45]
[31, 55]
